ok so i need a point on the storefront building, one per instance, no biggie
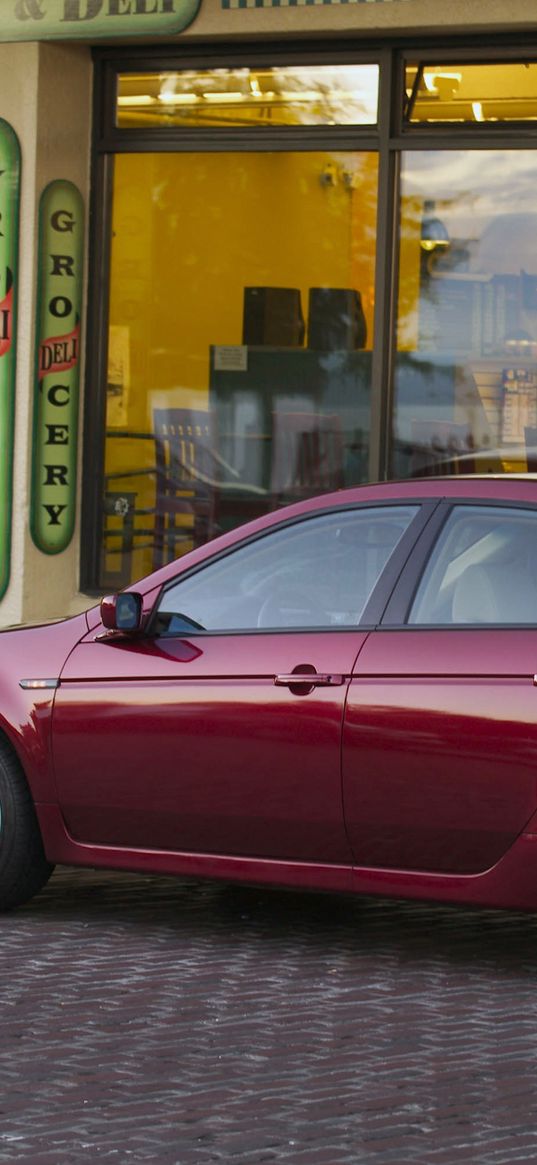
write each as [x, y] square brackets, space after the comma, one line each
[249, 253]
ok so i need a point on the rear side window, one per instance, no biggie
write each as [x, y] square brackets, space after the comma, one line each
[483, 569]
[318, 572]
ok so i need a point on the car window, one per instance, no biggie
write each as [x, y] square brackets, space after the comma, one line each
[483, 569]
[318, 572]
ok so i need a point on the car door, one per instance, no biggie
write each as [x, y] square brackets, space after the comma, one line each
[440, 735]
[197, 736]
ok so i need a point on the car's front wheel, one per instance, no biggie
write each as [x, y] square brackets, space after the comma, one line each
[23, 866]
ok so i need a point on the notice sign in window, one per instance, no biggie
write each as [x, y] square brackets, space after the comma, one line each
[231, 358]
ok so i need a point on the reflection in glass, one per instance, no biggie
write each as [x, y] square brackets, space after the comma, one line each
[466, 369]
[473, 93]
[240, 343]
[317, 572]
[290, 95]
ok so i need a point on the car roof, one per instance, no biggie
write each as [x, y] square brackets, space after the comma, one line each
[519, 486]
[500, 485]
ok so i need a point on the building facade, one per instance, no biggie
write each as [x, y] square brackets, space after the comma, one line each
[283, 249]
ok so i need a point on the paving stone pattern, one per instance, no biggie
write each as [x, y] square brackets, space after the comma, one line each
[152, 1020]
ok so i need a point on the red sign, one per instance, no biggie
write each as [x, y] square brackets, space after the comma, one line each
[6, 318]
[59, 353]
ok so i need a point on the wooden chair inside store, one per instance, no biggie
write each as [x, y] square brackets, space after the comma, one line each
[440, 448]
[307, 455]
[197, 493]
[186, 481]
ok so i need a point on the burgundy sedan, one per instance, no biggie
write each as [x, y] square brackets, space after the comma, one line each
[339, 696]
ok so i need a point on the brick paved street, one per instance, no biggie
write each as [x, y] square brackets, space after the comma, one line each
[151, 1020]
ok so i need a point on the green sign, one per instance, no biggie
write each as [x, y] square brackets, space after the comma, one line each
[92, 19]
[9, 243]
[57, 366]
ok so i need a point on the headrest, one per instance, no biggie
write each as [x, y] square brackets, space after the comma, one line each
[495, 593]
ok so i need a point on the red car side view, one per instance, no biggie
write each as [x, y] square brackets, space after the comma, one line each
[340, 696]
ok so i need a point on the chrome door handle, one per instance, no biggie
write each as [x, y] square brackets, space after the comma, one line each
[312, 679]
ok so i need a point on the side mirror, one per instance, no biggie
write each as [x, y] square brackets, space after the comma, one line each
[122, 612]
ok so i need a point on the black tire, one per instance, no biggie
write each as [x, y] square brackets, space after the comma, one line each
[24, 869]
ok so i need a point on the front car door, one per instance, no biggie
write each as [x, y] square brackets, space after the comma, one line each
[440, 736]
[197, 737]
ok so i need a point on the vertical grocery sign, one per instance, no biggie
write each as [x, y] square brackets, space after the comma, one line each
[57, 366]
[9, 244]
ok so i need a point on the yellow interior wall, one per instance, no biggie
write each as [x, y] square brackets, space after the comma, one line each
[190, 231]
[409, 274]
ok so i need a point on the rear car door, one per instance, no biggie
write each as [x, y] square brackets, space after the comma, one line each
[440, 734]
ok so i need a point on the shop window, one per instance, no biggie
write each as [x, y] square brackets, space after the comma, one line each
[241, 301]
[465, 391]
[447, 94]
[240, 342]
[262, 98]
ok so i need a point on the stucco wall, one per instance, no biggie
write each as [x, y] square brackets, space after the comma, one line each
[367, 17]
[45, 94]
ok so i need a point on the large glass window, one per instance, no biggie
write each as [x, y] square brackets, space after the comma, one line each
[241, 360]
[465, 392]
[240, 342]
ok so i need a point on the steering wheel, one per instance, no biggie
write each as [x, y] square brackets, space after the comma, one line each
[291, 607]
